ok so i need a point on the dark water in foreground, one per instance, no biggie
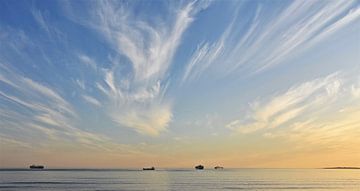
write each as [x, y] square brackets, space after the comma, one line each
[227, 179]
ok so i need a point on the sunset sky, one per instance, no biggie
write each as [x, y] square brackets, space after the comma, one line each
[127, 84]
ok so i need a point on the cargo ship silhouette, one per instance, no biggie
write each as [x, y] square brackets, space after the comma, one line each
[151, 168]
[199, 167]
[33, 166]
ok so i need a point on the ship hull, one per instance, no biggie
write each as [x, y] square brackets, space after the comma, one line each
[36, 167]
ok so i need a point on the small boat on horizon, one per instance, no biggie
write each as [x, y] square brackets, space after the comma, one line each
[199, 167]
[218, 167]
[33, 166]
[149, 168]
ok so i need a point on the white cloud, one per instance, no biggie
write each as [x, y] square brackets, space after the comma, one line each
[355, 89]
[268, 42]
[149, 48]
[136, 100]
[202, 58]
[351, 16]
[44, 110]
[39, 18]
[80, 83]
[47, 119]
[87, 60]
[308, 98]
[92, 100]
[109, 79]
[34, 88]
[6, 141]
[148, 120]
[336, 131]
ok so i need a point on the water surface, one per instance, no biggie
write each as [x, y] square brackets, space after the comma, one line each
[182, 179]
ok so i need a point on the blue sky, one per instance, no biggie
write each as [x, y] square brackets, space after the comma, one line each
[158, 80]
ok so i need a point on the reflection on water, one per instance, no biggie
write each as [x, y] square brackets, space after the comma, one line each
[229, 179]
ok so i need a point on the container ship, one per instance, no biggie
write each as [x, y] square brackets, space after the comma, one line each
[33, 166]
[151, 168]
[199, 167]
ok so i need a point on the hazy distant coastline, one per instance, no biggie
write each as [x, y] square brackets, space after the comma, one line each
[342, 167]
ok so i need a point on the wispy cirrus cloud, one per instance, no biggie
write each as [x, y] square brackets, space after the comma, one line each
[36, 107]
[355, 90]
[40, 19]
[10, 141]
[202, 58]
[88, 61]
[92, 100]
[310, 100]
[336, 131]
[136, 98]
[267, 42]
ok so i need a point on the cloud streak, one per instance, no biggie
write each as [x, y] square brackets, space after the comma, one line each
[136, 99]
[299, 26]
[39, 108]
[92, 100]
[309, 100]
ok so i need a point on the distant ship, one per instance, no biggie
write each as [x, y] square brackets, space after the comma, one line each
[199, 167]
[36, 166]
[151, 168]
[218, 167]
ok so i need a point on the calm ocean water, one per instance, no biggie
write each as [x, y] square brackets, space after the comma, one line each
[227, 179]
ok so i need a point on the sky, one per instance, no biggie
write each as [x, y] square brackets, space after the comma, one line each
[128, 84]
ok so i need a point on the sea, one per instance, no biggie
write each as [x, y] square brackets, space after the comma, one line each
[179, 179]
